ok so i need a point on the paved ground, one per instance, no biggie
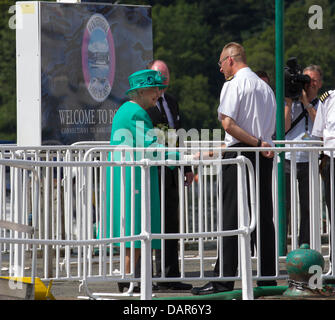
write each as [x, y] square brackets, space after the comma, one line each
[69, 290]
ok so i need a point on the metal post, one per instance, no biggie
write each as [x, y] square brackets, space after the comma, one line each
[280, 130]
[315, 218]
[123, 216]
[200, 218]
[36, 199]
[18, 249]
[146, 263]
[294, 202]
[243, 218]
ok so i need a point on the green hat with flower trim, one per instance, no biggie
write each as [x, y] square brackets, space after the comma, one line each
[145, 79]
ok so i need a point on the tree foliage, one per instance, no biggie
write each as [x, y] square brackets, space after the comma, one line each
[310, 46]
[7, 75]
[189, 36]
[181, 39]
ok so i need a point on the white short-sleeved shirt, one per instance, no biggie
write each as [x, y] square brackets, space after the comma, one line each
[324, 123]
[299, 131]
[251, 103]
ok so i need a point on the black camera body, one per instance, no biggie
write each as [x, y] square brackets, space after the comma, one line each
[295, 80]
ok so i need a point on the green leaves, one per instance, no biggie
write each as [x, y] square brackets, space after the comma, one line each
[189, 35]
[7, 76]
[198, 110]
[182, 39]
[309, 46]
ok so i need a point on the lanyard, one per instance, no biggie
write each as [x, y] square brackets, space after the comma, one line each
[313, 103]
[303, 114]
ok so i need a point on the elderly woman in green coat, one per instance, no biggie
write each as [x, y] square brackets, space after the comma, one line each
[133, 127]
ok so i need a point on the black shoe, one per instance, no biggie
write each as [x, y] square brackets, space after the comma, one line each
[137, 288]
[329, 281]
[267, 283]
[155, 288]
[177, 286]
[126, 285]
[210, 288]
[122, 285]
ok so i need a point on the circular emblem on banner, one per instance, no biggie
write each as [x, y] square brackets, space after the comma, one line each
[98, 57]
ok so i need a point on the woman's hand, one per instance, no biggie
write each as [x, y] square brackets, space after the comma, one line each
[188, 178]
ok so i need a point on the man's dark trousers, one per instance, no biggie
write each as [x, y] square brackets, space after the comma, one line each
[325, 173]
[230, 215]
[303, 184]
[171, 223]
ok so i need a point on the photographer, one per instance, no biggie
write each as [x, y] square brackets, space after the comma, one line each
[299, 117]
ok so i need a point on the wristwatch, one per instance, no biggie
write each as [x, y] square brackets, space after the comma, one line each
[309, 106]
[259, 142]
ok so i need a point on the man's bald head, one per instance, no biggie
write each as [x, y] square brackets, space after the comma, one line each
[235, 50]
[161, 66]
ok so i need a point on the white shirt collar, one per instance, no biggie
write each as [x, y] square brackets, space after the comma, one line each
[242, 70]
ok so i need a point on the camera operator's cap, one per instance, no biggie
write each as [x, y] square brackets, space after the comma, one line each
[145, 79]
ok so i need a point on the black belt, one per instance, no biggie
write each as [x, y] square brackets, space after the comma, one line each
[236, 145]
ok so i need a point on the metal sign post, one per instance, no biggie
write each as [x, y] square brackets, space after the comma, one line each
[280, 132]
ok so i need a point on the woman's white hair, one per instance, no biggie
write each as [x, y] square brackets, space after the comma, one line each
[134, 94]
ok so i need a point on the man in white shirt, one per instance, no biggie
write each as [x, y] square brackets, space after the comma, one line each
[299, 118]
[324, 127]
[247, 112]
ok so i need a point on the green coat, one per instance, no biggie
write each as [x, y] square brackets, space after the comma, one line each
[130, 127]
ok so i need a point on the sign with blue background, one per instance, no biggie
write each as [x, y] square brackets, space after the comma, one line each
[88, 50]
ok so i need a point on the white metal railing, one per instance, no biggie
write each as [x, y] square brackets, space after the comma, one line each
[320, 224]
[66, 211]
[85, 243]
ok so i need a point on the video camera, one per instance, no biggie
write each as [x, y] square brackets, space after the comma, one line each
[295, 80]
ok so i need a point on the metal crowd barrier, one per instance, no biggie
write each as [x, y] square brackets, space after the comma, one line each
[320, 224]
[85, 240]
[71, 193]
[57, 212]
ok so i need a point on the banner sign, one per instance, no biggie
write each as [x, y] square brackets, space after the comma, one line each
[87, 53]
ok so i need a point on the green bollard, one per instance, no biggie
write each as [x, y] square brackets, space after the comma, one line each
[298, 265]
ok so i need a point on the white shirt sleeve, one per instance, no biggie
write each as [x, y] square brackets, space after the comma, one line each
[229, 101]
[318, 125]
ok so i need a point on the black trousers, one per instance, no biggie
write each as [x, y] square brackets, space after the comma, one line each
[230, 218]
[303, 189]
[325, 173]
[171, 225]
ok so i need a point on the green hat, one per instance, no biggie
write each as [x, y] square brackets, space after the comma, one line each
[146, 79]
